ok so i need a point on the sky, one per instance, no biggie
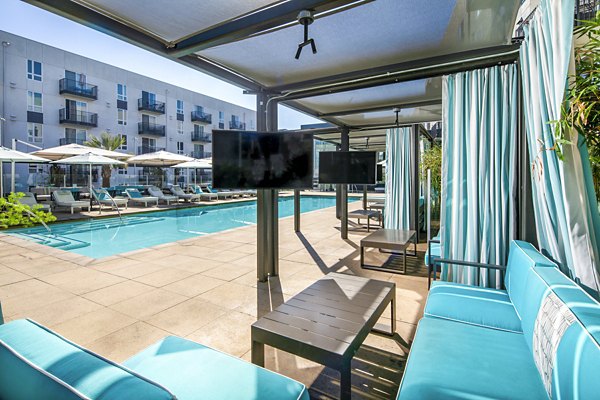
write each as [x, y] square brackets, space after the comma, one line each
[36, 24]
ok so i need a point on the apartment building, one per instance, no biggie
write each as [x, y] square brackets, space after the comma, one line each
[52, 97]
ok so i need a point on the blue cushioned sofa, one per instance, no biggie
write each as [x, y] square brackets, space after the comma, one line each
[538, 339]
[36, 363]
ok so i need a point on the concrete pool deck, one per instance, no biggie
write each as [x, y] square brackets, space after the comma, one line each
[205, 289]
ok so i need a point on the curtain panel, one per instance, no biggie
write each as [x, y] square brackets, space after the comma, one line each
[564, 202]
[479, 172]
[399, 172]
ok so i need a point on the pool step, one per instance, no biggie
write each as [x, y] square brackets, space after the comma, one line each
[47, 239]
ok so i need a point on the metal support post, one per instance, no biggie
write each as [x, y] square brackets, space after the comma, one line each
[345, 146]
[414, 186]
[296, 211]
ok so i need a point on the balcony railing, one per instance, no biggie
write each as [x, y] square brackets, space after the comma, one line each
[63, 141]
[146, 128]
[201, 137]
[74, 87]
[77, 117]
[201, 154]
[151, 106]
[148, 149]
[237, 125]
[586, 10]
[199, 116]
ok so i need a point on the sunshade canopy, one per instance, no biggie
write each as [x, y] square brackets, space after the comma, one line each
[195, 163]
[373, 56]
[88, 159]
[9, 155]
[160, 158]
[69, 150]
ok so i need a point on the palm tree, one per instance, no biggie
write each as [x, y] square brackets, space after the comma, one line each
[106, 142]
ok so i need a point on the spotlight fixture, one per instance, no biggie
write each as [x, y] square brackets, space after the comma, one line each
[397, 111]
[305, 18]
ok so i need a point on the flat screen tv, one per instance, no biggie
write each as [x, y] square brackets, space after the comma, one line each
[347, 167]
[262, 160]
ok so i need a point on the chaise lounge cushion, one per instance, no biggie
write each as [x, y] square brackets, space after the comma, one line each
[484, 307]
[188, 368]
[453, 360]
[40, 361]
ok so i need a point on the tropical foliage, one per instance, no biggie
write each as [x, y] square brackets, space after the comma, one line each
[581, 110]
[106, 141]
[432, 159]
[13, 213]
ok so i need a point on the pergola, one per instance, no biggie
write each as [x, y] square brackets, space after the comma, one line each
[374, 57]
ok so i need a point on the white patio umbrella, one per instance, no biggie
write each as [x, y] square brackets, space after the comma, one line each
[193, 164]
[160, 158]
[69, 150]
[88, 159]
[14, 156]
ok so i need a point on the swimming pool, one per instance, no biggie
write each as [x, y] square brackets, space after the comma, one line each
[104, 237]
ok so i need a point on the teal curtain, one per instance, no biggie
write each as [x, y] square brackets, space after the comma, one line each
[565, 207]
[399, 170]
[478, 171]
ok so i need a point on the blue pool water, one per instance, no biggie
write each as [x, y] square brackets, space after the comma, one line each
[108, 236]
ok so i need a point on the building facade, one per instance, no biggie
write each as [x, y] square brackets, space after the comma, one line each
[52, 97]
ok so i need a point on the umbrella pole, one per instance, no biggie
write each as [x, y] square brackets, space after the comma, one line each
[12, 177]
[1, 180]
[91, 197]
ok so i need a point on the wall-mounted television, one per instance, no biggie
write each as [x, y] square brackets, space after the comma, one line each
[262, 160]
[347, 167]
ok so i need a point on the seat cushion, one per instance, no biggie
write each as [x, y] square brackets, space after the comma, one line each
[474, 305]
[54, 368]
[452, 360]
[188, 368]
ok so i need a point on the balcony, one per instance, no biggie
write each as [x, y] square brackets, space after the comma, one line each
[200, 154]
[76, 88]
[199, 116]
[148, 149]
[63, 141]
[77, 117]
[237, 125]
[586, 10]
[157, 107]
[146, 128]
[201, 137]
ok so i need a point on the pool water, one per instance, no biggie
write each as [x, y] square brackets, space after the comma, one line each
[104, 237]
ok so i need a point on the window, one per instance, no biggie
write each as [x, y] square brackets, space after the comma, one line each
[34, 132]
[180, 127]
[198, 129]
[121, 171]
[179, 147]
[73, 135]
[121, 92]
[179, 106]
[121, 116]
[34, 70]
[124, 145]
[221, 116]
[34, 101]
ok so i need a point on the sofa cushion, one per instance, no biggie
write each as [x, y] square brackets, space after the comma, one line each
[188, 368]
[453, 360]
[474, 305]
[53, 367]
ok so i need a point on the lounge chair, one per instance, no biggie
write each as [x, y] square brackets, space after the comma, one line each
[156, 192]
[30, 200]
[135, 196]
[177, 191]
[103, 198]
[220, 195]
[203, 195]
[40, 364]
[64, 198]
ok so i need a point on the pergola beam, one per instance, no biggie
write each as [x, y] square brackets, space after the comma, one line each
[387, 107]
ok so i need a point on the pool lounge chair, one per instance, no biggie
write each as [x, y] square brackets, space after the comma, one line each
[135, 196]
[103, 198]
[220, 195]
[203, 195]
[30, 200]
[64, 198]
[177, 191]
[41, 364]
[156, 192]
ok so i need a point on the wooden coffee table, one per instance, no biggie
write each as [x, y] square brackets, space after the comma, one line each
[327, 322]
[389, 239]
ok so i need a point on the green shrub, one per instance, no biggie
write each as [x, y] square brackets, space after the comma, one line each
[13, 213]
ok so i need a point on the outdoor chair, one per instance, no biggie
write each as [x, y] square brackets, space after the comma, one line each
[103, 198]
[220, 195]
[177, 191]
[40, 364]
[64, 198]
[135, 196]
[203, 195]
[30, 200]
[156, 192]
